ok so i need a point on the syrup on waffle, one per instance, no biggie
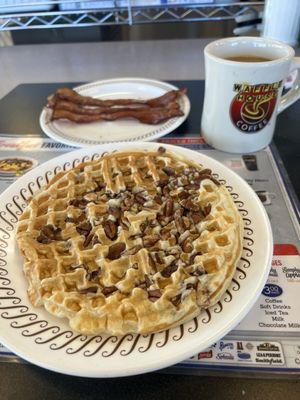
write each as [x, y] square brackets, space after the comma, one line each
[134, 242]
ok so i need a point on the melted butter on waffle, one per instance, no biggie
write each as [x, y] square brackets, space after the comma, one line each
[136, 242]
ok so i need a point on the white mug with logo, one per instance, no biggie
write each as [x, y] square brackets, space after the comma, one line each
[243, 97]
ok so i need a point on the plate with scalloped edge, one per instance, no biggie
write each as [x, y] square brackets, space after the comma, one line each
[122, 130]
[47, 341]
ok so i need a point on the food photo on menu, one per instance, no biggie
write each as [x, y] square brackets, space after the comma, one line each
[140, 233]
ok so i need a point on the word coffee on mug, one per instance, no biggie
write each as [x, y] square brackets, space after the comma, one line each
[243, 91]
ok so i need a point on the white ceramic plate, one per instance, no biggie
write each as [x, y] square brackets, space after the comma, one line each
[127, 130]
[47, 341]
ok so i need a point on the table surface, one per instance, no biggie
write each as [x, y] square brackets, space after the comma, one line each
[162, 60]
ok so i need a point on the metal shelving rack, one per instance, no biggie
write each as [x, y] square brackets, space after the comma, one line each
[117, 15]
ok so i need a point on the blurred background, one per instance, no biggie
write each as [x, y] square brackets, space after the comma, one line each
[65, 21]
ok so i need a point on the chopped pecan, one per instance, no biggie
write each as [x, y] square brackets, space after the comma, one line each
[192, 285]
[166, 191]
[198, 272]
[84, 228]
[49, 233]
[168, 271]
[169, 171]
[206, 210]
[148, 281]
[110, 229]
[43, 239]
[154, 294]
[162, 220]
[95, 240]
[152, 263]
[191, 186]
[109, 290]
[158, 199]
[92, 289]
[168, 208]
[115, 250]
[161, 150]
[187, 246]
[128, 202]
[91, 275]
[144, 226]
[183, 195]
[189, 205]
[204, 171]
[70, 219]
[115, 212]
[140, 198]
[88, 239]
[150, 241]
[204, 176]
[133, 250]
[193, 256]
[79, 202]
[196, 217]
[176, 300]
[124, 222]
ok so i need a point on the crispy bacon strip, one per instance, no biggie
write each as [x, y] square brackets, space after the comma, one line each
[78, 109]
[149, 116]
[74, 97]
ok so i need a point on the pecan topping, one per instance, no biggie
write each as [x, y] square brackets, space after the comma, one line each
[197, 272]
[154, 295]
[166, 191]
[95, 240]
[161, 150]
[84, 228]
[191, 186]
[92, 289]
[189, 205]
[169, 171]
[140, 198]
[88, 240]
[110, 229]
[168, 209]
[115, 250]
[196, 217]
[152, 263]
[147, 281]
[69, 219]
[100, 185]
[115, 211]
[80, 203]
[206, 210]
[205, 171]
[144, 226]
[192, 286]
[168, 271]
[90, 276]
[157, 199]
[49, 233]
[150, 241]
[125, 223]
[193, 256]
[133, 250]
[109, 290]
[128, 202]
[187, 246]
[183, 195]
[204, 176]
[176, 300]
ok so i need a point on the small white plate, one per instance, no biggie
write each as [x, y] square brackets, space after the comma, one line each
[126, 130]
[47, 341]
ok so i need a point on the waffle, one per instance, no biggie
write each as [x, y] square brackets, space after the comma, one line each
[134, 242]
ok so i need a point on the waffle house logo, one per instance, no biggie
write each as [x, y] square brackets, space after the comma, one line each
[253, 105]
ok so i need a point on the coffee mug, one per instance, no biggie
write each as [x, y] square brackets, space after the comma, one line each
[243, 91]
